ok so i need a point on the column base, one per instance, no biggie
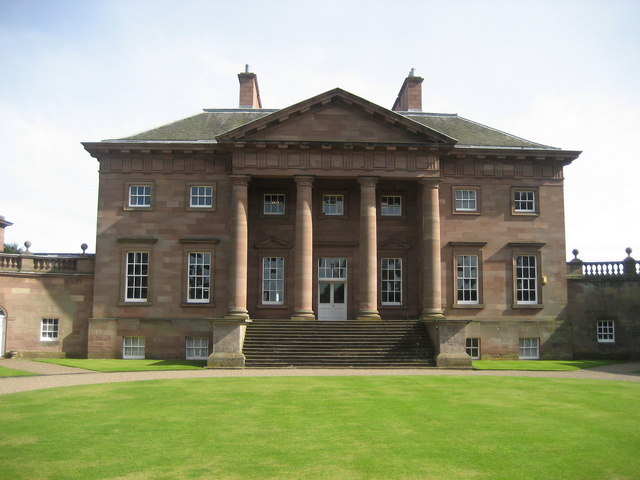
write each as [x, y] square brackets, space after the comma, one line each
[431, 315]
[303, 315]
[226, 360]
[368, 315]
[237, 314]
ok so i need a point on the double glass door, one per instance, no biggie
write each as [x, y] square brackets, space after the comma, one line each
[332, 288]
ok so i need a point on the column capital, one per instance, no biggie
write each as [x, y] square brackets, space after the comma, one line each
[240, 179]
[430, 182]
[304, 180]
[368, 181]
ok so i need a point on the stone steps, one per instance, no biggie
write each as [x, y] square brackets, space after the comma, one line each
[346, 344]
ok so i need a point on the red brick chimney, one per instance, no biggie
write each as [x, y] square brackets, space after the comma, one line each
[249, 91]
[410, 95]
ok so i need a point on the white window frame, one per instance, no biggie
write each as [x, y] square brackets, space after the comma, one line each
[133, 348]
[529, 348]
[197, 348]
[139, 196]
[473, 348]
[391, 281]
[49, 329]
[391, 205]
[466, 199]
[526, 280]
[332, 268]
[274, 204]
[333, 204]
[524, 205]
[605, 331]
[136, 276]
[201, 196]
[467, 279]
[273, 280]
[199, 277]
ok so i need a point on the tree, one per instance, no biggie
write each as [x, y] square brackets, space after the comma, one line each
[12, 248]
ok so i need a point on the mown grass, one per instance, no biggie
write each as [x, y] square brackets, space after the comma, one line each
[117, 365]
[541, 365]
[12, 372]
[405, 427]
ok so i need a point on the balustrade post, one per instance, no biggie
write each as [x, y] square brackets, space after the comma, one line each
[629, 264]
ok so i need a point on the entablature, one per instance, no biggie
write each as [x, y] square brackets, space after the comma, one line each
[336, 162]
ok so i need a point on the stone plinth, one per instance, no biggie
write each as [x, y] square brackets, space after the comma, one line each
[228, 340]
[449, 339]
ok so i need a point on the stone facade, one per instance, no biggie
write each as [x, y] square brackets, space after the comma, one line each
[333, 208]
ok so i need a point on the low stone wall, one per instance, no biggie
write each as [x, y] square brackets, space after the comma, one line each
[604, 292]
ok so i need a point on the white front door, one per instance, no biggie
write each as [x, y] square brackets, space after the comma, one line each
[332, 288]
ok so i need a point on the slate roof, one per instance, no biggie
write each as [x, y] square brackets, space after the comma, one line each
[212, 122]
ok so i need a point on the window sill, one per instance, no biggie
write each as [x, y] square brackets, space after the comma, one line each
[197, 304]
[277, 306]
[468, 305]
[461, 212]
[134, 304]
[138, 209]
[200, 209]
[534, 306]
[525, 214]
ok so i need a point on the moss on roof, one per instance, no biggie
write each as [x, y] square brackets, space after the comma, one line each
[207, 125]
[204, 126]
[471, 133]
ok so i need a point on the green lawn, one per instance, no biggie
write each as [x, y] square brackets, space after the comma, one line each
[545, 365]
[116, 365]
[12, 372]
[405, 427]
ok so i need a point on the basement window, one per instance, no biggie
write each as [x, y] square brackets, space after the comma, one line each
[49, 329]
[606, 332]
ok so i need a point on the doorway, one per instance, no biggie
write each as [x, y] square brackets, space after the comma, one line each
[332, 288]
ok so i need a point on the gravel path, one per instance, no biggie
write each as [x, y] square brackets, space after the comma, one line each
[53, 376]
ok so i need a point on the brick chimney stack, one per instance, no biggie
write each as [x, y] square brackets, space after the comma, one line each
[249, 91]
[410, 95]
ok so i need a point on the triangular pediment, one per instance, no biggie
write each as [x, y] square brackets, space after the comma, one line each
[394, 244]
[273, 243]
[334, 117]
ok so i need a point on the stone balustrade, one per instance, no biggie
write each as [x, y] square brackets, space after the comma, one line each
[627, 268]
[65, 263]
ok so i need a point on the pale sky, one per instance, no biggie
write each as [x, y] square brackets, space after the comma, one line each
[562, 73]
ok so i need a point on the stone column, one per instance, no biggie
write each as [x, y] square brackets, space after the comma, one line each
[448, 335]
[239, 248]
[431, 270]
[303, 296]
[368, 250]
